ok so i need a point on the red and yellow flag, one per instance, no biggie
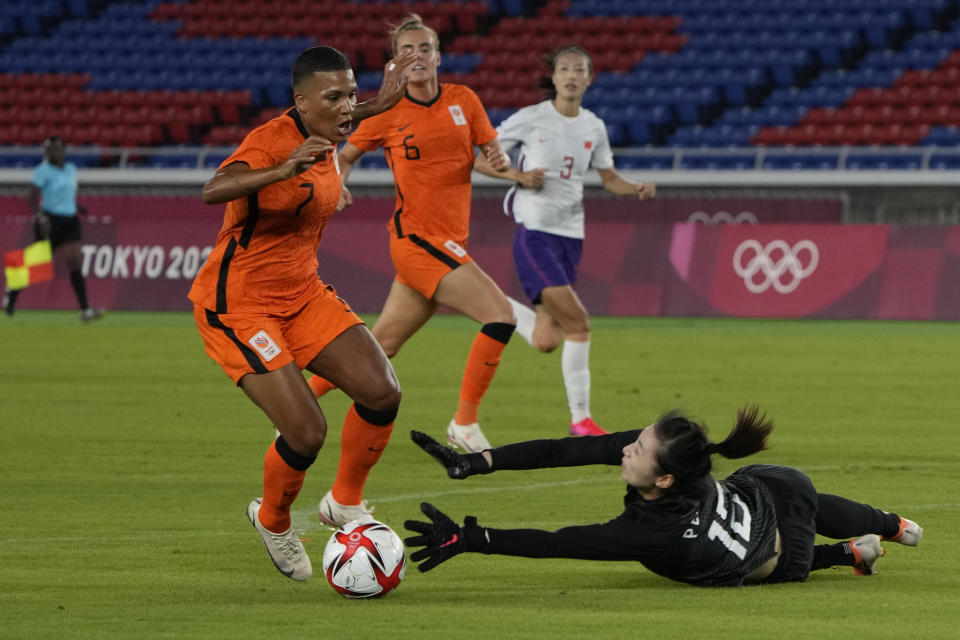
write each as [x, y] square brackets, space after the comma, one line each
[28, 266]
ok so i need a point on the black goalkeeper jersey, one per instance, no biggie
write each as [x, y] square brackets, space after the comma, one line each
[715, 539]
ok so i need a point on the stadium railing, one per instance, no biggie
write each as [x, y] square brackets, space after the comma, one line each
[756, 166]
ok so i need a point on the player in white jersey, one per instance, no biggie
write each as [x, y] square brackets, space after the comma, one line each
[558, 142]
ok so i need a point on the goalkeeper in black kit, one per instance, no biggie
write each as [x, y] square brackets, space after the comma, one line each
[757, 525]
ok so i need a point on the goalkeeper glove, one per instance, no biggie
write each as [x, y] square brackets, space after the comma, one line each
[458, 466]
[442, 538]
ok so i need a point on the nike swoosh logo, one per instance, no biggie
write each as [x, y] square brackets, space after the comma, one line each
[491, 364]
[451, 541]
[374, 449]
[403, 127]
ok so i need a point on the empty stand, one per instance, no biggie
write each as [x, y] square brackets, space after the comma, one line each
[691, 74]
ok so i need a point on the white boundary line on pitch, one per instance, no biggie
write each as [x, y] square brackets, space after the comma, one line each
[307, 520]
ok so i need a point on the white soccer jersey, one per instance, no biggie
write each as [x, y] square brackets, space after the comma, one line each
[566, 148]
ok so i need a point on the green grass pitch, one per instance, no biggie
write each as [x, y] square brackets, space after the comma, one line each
[127, 460]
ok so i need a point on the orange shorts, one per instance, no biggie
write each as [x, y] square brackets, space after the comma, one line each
[422, 261]
[243, 343]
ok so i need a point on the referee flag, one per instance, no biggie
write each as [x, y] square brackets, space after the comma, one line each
[28, 266]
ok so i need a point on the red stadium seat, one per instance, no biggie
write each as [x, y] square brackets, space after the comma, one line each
[8, 133]
[225, 136]
[914, 78]
[109, 115]
[883, 115]
[952, 60]
[822, 136]
[820, 115]
[769, 136]
[867, 96]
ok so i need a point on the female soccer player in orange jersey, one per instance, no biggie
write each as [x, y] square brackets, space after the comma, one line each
[264, 315]
[429, 140]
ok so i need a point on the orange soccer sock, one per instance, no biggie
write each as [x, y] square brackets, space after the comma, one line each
[283, 473]
[481, 366]
[320, 386]
[366, 433]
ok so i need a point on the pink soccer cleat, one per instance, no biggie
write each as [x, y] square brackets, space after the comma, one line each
[587, 427]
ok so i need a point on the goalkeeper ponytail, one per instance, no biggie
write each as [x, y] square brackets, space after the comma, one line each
[685, 450]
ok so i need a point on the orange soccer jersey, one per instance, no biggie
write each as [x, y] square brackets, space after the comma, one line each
[430, 148]
[265, 258]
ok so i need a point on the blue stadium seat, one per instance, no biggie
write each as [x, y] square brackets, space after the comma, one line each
[373, 161]
[214, 160]
[947, 161]
[799, 161]
[498, 115]
[648, 162]
[186, 161]
[943, 136]
[717, 162]
[883, 161]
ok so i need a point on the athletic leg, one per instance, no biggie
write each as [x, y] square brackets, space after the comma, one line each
[355, 363]
[536, 326]
[10, 300]
[839, 517]
[285, 398]
[73, 257]
[526, 319]
[565, 308]
[842, 518]
[404, 312]
[41, 231]
[470, 291]
[283, 395]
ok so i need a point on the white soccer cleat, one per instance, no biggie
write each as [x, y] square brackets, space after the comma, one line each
[285, 549]
[909, 533]
[467, 437]
[88, 314]
[336, 515]
[866, 551]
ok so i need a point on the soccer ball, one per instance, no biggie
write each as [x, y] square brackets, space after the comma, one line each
[364, 560]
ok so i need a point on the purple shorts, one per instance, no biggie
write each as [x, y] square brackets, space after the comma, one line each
[545, 260]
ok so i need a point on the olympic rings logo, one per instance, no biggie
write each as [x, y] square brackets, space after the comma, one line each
[722, 217]
[783, 273]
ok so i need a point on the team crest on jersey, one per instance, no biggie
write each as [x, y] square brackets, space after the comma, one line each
[265, 345]
[457, 113]
[587, 144]
[455, 249]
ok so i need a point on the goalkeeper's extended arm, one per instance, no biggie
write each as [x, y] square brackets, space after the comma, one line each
[531, 454]
[442, 538]
[458, 465]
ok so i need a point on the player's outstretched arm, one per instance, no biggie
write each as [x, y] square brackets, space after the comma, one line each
[615, 184]
[391, 89]
[442, 538]
[238, 180]
[458, 466]
[532, 179]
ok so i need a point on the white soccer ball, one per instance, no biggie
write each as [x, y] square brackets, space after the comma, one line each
[364, 560]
